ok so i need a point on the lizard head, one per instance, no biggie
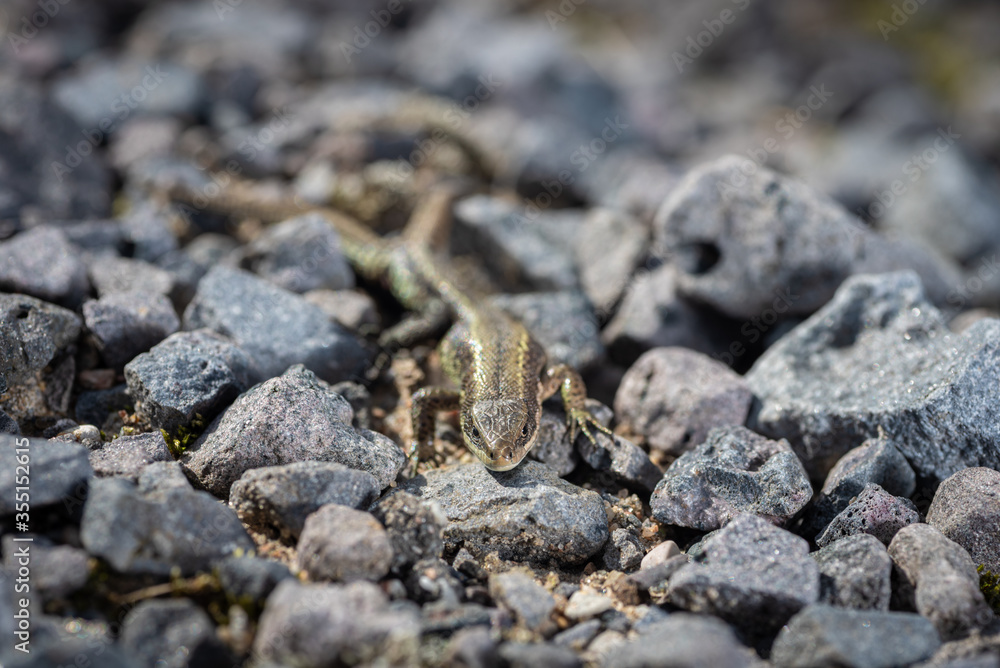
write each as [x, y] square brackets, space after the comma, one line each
[501, 431]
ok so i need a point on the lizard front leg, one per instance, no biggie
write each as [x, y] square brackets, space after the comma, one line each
[426, 404]
[565, 380]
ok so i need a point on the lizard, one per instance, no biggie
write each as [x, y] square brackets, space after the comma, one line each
[501, 371]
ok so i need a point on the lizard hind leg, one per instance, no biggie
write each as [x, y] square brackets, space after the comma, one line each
[426, 404]
[565, 380]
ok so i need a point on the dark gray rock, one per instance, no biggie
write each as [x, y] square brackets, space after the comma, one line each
[563, 322]
[609, 247]
[187, 375]
[525, 514]
[578, 636]
[633, 179]
[966, 509]
[525, 655]
[162, 475]
[37, 344]
[59, 472]
[751, 573]
[352, 309]
[103, 238]
[735, 471]
[683, 641]
[876, 461]
[295, 417]
[341, 543]
[172, 634]
[433, 580]
[56, 570]
[674, 397]
[149, 230]
[855, 572]
[552, 445]
[309, 623]
[758, 243]
[415, 527]
[473, 648]
[299, 254]
[126, 324]
[626, 462]
[42, 263]
[127, 456]
[823, 635]
[623, 551]
[94, 406]
[653, 315]
[529, 602]
[938, 579]
[112, 275]
[275, 327]
[8, 425]
[251, 578]
[283, 496]
[159, 530]
[880, 357]
[874, 511]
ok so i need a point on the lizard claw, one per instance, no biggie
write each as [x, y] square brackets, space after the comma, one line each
[582, 419]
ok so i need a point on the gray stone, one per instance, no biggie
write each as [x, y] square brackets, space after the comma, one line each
[473, 648]
[127, 456]
[352, 309]
[149, 228]
[563, 322]
[306, 624]
[578, 636]
[299, 254]
[275, 327]
[525, 514]
[189, 374]
[529, 655]
[623, 551]
[749, 245]
[94, 406]
[682, 641]
[295, 417]
[966, 509]
[552, 445]
[938, 579]
[855, 572]
[631, 178]
[59, 472]
[112, 275]
[529, 602]
[877, 461]
[626, 462]
[37, 344]
[609, 247]
[162, 475]
[283, 496]
[653, 315]
[159, 530]
[822, 635]
[172, 634]
[125, 324]
[341, 543]
[415, 528]
[674, 397]
[874, 511]
[253, 579]
[42, 263]
[56, 570]
[7, 424]
[735, 471]
[752, 574]
[584, 605]
[880, 357]
[102, 238]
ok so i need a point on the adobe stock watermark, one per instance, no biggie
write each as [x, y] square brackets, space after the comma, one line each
[363, 35]
[901, 13]
[121, 108]
[913, 169]
[31, 23]
[566, 9]
[964, 293]
[697, 44]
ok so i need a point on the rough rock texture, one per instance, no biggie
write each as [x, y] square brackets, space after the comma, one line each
[682, 640]
[938, 579]
[155, 531]
[294, 417]
[674, 396]
[822, 635]
[415, 528]
[610, 245]
[855, 572]
[172, 633]
[622, 459]
[187, 375]
[309, 623]
[751, 244]
[251, 578]
[353, 309]
[112, 275]
[341, 543]
[59, 472]
[563, 322]
[874, 512]
[525, 514]
[879, 356]
[43, 264]
[735, 471]
[623, 551]
[966, 509]
[275, 327]
[552, 446]
[529, 601]
[283, 496]
[125, 324]
[8, 425]
[876, 461]
[752, 574]
[127, 456]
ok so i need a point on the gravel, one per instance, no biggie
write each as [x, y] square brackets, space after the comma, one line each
[341, 543]
[125, 324]
[673, 397]
[57, 571]
[609, 247]
[528, 601]
[874, 511]
[113, 275]
[59, 472]
[127, 456]
[966, 509]
[42, 263]
[855, 572]
[172, 634]
[247, 578]
[415, 528]
[295, 417]
[735, 471]
[682, 641]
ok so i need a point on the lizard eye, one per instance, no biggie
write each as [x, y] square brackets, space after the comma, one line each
[475, 434]
[524, 430]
